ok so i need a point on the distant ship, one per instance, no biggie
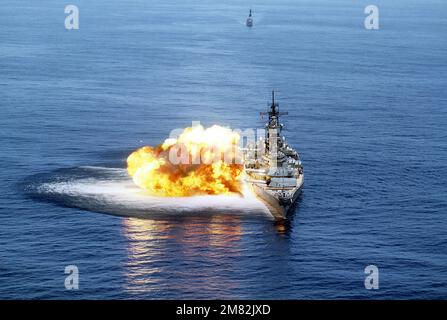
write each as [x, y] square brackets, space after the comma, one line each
[249, 22]
[273, 169]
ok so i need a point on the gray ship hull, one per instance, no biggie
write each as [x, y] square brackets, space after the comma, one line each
[277, 210]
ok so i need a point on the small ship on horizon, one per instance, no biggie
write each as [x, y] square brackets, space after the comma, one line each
[273, 169]
[249, 22]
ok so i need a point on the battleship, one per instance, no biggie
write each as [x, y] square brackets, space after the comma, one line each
[273, 169]
[249, 22]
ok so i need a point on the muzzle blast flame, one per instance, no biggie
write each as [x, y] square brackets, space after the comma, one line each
[198, 162]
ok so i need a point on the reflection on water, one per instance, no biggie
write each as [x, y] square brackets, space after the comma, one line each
[284, 227]
[142, 236]
[281, 227]
[161, 251]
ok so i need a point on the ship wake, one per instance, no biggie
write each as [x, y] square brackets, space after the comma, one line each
[112, 191]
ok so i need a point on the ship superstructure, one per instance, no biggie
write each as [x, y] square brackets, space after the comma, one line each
[273, 168]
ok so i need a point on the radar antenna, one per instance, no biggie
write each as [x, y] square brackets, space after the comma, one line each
[274, 109]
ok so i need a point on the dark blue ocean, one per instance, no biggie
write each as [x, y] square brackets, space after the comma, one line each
[367, 113]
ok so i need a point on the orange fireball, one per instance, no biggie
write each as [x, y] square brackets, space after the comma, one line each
[199, 161]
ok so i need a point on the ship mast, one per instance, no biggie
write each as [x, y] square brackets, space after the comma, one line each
[273, 114]
[273, 127]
